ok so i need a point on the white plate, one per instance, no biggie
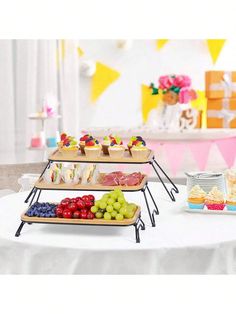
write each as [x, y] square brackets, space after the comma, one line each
[207, 211]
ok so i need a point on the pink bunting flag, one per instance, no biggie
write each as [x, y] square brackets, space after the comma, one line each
[227, 147]
[174, 153]
[200, 152]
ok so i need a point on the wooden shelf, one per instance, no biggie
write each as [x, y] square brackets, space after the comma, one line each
[40, 184]
[32, 117]
[127, 159]
[95, 221]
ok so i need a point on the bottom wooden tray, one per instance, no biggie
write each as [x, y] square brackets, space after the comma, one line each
[125, 222]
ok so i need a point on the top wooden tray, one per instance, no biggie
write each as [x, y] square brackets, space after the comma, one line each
[127, 159]
[95, 221]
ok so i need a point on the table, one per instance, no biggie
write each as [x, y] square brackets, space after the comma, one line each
[181, 243]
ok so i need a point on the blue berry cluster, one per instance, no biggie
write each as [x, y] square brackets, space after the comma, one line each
[46, 210]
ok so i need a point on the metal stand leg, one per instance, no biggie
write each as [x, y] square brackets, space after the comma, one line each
[38, 196]
[47, 167]
[137, 236]
[155, 164]
[35, 191]
[151, 216]
[31, 192]
[139, 224]
[156, 211]
[19, 229]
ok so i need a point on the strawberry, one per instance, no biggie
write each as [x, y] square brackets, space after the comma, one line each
[63, 136]
[135, 142]
[90, 143]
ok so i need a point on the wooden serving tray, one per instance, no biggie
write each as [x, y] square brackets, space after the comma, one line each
[40, 184]
[60, 157]
[95, 221]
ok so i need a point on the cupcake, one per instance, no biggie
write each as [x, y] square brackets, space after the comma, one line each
[215, 199]
[106, 143]
[139, 149]
[116, 148]
[83, 139]
[68, 145]
[92, 148]
[134, 140]
[196, 198]
[52, 175]
[231, 200]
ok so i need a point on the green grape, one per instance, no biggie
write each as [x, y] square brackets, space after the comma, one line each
[119, 217]
[121, 200]
[132, 206]
[106, 195]
[97, 204]
[113, 195]
[109, 208]
[113, 214]
[107, 216]
[94, 209]
[117, 205]
[99, 215]
[110, 201]
[129, 214]
[103, 205]
[123, 210]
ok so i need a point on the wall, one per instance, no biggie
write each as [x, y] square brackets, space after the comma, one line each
[120, 104]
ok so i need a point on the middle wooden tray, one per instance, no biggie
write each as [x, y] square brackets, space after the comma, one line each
[41, 185]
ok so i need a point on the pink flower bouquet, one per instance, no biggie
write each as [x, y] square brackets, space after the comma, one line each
[179, 84]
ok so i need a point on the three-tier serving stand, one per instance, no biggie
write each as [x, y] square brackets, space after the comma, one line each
[136, 221]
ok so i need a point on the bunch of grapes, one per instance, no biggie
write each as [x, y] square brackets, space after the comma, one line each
[113, 205]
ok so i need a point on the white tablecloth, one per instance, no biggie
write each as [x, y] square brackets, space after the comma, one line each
[181, 243]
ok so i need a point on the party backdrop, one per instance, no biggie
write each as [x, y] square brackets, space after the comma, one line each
[126, 68]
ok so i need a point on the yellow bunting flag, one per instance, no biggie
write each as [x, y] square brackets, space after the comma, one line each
[80, 52]
[103, 77]
[149, 101]
[161, 43]
[215, 46]
[201, 104]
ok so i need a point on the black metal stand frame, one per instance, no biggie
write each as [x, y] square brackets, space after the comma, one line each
[174, 188]
[138, 224]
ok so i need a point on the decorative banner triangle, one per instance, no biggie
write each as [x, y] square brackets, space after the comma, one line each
[200, 152]
[227, 147]
[200, 103]
[161, 43]
[174, 156]
[149, 101]
[103, 77]
[80, 52]
[215, 46]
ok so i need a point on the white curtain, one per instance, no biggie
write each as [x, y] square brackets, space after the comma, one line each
[29, 71]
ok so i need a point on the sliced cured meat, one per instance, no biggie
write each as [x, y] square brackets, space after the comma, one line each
[119, 178]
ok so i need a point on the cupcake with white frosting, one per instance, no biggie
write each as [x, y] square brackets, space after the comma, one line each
[196, 197]
[215, 199]
[231, 200]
